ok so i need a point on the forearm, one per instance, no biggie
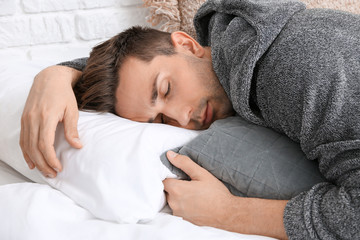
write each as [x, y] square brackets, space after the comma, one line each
[326, 211]
[65, 74]
[256, 216]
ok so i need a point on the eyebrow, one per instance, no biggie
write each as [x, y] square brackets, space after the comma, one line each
[154, 94]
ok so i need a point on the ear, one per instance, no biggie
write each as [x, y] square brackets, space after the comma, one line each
[183, 42]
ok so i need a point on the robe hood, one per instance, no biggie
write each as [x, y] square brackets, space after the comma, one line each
[239, 32]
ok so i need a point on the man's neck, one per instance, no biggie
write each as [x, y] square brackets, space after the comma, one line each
[207, 54]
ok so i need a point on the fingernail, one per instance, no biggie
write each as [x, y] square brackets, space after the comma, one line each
[56, 169]
[77, 140]
[172, 154]
[31, 166]
[50, 175]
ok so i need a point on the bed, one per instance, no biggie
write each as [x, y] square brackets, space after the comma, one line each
[36, 211]
[116, 194]
[107, 199]
[129, 205]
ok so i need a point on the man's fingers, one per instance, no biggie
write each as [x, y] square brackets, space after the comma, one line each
[171, 188]
[193, 170]
[43, 167]
[169, 182]
[36, 156]
[26, 136]
[28, 161]
[22, 145]
[46, 144]
[70, 126]
[171, 185]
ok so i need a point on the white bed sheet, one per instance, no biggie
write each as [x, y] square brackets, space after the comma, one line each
[37, 211]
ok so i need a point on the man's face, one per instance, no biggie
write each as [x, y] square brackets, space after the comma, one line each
[180, 90]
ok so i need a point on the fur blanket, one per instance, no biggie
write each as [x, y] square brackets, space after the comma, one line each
[174, 15]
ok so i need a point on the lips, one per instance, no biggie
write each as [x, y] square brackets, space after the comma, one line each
[208, 115]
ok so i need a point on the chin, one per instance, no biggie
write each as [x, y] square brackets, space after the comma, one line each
[205, 127]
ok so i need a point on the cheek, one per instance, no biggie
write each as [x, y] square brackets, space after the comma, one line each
[190, 91]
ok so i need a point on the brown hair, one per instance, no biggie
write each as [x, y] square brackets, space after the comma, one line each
[96, 88]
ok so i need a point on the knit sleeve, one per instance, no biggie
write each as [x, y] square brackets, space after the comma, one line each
[308, 88]
[327, 211]
[78, 64]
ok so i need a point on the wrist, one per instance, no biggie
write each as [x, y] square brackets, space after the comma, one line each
[256, 216]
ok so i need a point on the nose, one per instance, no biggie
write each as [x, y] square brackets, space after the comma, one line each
[181, 114]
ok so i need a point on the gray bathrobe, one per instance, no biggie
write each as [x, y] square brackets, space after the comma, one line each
[298, 72]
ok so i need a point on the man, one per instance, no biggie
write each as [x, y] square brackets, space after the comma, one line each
[294, 70]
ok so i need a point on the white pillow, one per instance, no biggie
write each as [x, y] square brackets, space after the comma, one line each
[15, 81]
[117, 175]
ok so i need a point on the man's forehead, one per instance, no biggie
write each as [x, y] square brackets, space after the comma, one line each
[131, 109]
[134, 92]
[134, 61]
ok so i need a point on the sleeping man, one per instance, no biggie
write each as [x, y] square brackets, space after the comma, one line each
[274, 63]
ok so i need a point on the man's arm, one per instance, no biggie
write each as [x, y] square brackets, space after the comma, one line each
[51, 100]
[315, 100]
[206, 201]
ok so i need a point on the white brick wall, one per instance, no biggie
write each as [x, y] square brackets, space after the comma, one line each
[59, 30]
[7, 7]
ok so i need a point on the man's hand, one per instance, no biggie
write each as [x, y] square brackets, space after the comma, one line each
[51, 100]
[205, 201]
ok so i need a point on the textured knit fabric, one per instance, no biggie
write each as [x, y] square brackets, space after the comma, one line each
[301, 68]
[78, 64]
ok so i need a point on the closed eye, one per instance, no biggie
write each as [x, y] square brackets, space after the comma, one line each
[168, 90]
[165, 95]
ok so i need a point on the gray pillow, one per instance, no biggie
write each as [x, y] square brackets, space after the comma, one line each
[251, 160]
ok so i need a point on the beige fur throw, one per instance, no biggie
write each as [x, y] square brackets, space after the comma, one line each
[174, 15]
